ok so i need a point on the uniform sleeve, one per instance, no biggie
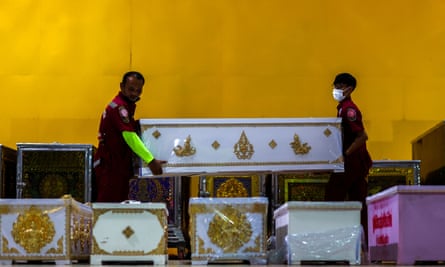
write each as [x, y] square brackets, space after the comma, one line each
[138, 147]
[354, 119]
[122, 120]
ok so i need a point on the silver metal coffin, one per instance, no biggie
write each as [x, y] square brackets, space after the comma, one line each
[206, 146]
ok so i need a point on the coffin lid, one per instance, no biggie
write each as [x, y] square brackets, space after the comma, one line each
[407, 189]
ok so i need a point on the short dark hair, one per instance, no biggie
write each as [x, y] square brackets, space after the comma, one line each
[345, 78]
[135, 74]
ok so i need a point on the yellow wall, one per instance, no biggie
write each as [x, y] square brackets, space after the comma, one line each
[62, 61]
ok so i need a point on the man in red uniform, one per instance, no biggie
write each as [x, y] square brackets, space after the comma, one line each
[351, 185]
[118, 140]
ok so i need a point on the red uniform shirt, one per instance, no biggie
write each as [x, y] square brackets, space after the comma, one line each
[113, 159]
[359, 161]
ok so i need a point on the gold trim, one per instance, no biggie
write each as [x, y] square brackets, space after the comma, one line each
[272, 144]
[215, 145]
[156, 134]
[298, 147]
[186, 150]
[6, 249]
[232, 188]
[33, 230]
[229, 229]
[243, 149]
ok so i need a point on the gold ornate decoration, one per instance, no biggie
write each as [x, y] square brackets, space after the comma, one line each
[127, 232]
[327, 132]
[243, 149]
[6, 249]
[232, 188]
[33, 230]
[215, 145]
[272, 144]
[298, 147]
[156, 134]
[203, 250]
[59, 249]
[257, 246]
[229, 229]
[186, 150]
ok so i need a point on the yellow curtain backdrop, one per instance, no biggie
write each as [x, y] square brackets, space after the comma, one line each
[62, 61]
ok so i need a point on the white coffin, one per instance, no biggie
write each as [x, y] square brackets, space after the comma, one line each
[194, 146]
[319, 231]
[56, 230]
[129, 232]
[226, 229]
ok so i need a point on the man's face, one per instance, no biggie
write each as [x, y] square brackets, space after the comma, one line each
[132, 89]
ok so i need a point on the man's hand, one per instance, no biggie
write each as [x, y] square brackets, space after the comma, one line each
[156, 166]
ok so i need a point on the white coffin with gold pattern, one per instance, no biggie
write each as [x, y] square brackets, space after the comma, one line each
[228, 229]
[193, 146]
[44, 229]
[135, 232]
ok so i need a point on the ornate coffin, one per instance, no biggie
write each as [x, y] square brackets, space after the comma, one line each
[214, 146]
[129, 232]
[314, 231]
[387, 173]
[236, 185]
[8, 167]
[173, 192]
[228, 229]
[56, 230]
[53, 170]
[406, 225]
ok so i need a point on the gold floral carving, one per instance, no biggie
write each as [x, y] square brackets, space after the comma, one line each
[243, 149]
[33, 230]
[232, 188]
[229, 229]
[186, 150]
[257, 247]
[203, 250]
[6, 249]
[298, 147]
[59, 249]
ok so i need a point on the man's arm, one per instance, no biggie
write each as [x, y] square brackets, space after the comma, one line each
[138, 147]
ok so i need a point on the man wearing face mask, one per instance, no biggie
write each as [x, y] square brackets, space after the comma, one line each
[351, 185]
[118, 140]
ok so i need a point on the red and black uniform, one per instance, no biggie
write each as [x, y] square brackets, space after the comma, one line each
[351, 185]
[113, 161]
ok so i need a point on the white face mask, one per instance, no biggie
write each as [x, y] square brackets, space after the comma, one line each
[338, 94]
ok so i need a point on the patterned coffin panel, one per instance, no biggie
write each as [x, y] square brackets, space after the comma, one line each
[53, 170]
[8, 168]
[216, 146]
[387, 173]
[301, 187]
[232, 186]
